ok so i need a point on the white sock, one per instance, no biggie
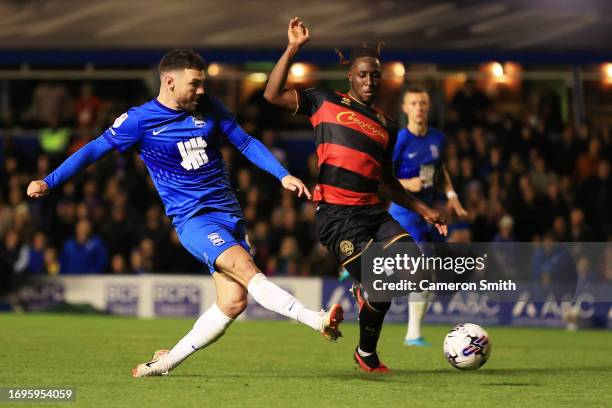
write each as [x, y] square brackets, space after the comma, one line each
[274, 298]
[417, 306]
[207, 329]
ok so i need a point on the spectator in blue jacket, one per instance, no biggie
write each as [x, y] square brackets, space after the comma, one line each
[85, 253]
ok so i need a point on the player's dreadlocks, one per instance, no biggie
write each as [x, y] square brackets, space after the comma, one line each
[364, 51]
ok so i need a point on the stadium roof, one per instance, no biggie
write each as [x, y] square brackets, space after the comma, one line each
[556, 26]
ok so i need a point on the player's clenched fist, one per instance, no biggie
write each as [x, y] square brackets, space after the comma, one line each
[298, 33]
[37, 189]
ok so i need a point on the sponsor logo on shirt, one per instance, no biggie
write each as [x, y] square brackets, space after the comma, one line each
[193, 153]
[349, 118]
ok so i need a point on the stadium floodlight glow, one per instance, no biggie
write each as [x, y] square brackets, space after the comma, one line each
[258, 77]
[398, 69]
[497, 70]
[606, 71]
[214, 69]
[298, 70]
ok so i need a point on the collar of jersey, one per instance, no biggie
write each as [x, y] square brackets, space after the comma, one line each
[164, 107]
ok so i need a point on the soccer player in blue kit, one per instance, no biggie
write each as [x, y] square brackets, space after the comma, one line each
[418, 163]
[179, 135]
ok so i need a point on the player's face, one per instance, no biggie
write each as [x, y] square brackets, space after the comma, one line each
[364, 78]
[416, 107]
[188, 88]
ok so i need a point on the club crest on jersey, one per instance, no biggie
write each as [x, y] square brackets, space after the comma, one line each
[198, 121]
[346, 247]
[382, 118]
[345, 101]
[216, 239]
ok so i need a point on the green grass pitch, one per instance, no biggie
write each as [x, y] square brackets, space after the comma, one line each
[283, 364]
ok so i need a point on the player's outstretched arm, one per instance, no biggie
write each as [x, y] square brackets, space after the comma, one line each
[85, 156]
[453, 199]
[275, 92]
[391, 188]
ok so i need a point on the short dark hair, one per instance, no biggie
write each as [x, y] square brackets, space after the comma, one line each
[364, 51]
[415, 89]
[180, 59]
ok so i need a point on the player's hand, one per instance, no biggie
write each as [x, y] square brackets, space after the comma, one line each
[298, 33]
[434, 218]
[295, 184]
[455, 205]
[38, 189]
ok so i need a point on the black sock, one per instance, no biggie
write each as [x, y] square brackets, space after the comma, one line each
[371, 320]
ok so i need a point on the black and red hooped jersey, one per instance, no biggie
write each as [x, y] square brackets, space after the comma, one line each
[353, 141]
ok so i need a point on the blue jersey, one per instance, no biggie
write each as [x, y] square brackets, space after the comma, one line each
[417, 156]
[182, 153]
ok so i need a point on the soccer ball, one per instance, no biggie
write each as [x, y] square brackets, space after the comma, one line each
[467, 346]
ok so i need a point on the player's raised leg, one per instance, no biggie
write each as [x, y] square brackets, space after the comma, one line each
[237, 263]
[231, 301]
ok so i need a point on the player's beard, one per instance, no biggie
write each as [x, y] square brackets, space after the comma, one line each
[190, 106]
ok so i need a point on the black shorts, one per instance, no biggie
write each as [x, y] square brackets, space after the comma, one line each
[347, 230]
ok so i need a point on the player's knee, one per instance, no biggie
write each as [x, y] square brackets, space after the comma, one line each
[232, 306]
[241, 267]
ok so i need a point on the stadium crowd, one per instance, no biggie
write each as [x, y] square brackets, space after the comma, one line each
[525, 177]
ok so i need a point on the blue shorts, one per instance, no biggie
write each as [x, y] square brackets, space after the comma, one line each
[416, 226]
[207, 235]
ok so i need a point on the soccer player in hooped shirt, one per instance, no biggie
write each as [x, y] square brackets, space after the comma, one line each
[354, 142]
[179, 135]
[418, 162]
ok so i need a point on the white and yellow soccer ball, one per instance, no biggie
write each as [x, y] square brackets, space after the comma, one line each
[467, 346]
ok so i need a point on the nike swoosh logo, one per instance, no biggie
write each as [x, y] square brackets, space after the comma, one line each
[291, 307]
[151, 362]
[155, 133]
[410, 155]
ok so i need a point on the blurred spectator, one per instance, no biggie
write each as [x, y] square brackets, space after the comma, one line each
[175, 258]
[586, 166]
[595, 198]
[268, 138]
[54, 138]
[50, 101]
[579, 230]
[155, 228]
[470, 103]
[289, 257]
[36, 255]
[52, 265]
[119, 265]
[85, 253]
[552, 263]
[540, 177]
[87, 108]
